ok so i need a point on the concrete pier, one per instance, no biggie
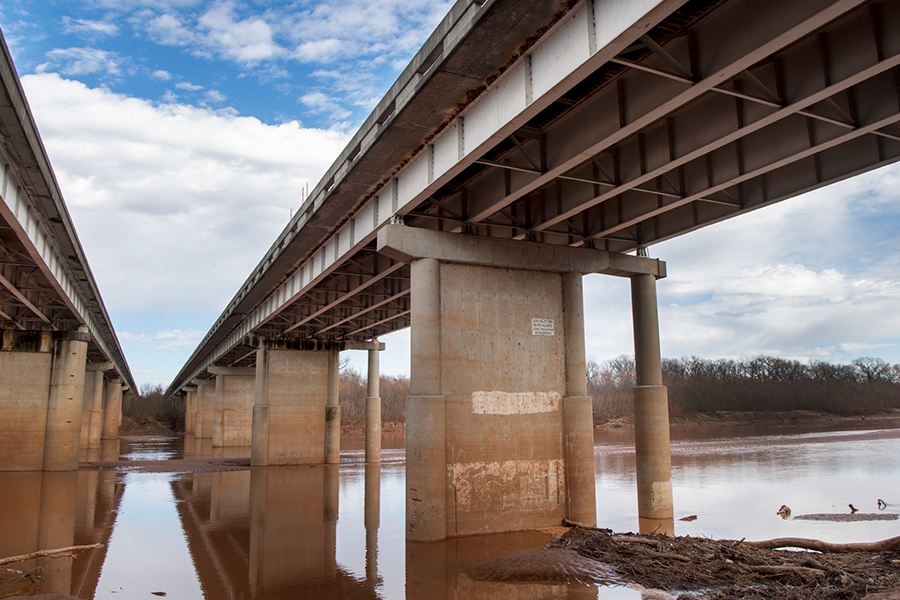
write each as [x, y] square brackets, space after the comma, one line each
[205, 406]
[190, 409]
[112, 409]
[373, 409]
[499, 426]
[233, 412]
[651, 410]
[333, 410]
[290, 402]
[92, 418]
[64, 408]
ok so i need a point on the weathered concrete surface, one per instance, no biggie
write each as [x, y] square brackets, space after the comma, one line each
[112, 409]
[233, 412]
[64, 407]
[190, 409]
[333, 410]
[25, 365]
[373, 409]
[651, 408]
[289, 412]
[493, 428]
[206, 404]
[92, 418]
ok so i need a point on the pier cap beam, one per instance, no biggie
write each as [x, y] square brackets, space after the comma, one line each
[406, 244]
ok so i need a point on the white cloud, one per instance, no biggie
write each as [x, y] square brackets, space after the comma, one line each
[246, 41]
[318, 102]
[319, 50]
[89, 28]
[161, 75]
[169, 30]
[83, 61]
[214, 96]
[173, 204]
[815, 277]
[186, 85]
[168, 341]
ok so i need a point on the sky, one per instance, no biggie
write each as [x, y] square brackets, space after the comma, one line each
[183, 134]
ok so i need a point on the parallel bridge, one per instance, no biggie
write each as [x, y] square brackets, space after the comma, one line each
[525, 145]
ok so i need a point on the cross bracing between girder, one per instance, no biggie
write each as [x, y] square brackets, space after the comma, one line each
[709, 110]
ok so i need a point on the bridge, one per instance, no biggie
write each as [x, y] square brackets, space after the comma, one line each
[525, 145]
[62, 371]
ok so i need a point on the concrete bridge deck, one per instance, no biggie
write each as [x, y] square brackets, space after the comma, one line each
[525, 145]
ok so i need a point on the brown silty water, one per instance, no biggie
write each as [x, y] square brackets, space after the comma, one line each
[198, 525]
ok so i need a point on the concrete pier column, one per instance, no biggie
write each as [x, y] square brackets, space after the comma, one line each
[65, 402]
[112, 408]
[291, 394]
[577, 409]
[373, 410]
[190, 409]
[206, 403]
[651, 408]
[426, 446]
[26, 362]
[95, 391]
[233, 411]
[498, 422]
[333, 410]
[372, 520]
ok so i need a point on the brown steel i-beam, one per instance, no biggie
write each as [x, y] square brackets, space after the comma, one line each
[21, 297]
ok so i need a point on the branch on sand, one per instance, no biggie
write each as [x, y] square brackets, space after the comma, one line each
[49, 553]
[827, 547]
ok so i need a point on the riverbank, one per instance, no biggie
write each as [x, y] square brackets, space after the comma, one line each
[889, 418]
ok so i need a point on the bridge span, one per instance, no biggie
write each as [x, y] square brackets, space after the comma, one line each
[62, 371]
[525, 145]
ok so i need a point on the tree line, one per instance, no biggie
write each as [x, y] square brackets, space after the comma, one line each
[695, 385]
[760, 384]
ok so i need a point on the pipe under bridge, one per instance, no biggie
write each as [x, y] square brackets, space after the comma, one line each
[526, 144]
[62, 371]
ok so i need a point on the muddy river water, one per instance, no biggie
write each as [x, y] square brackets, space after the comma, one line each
[338, 532]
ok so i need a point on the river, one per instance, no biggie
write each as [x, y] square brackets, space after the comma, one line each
[338, 532]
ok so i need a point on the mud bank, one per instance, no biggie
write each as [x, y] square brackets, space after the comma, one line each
[687, 568]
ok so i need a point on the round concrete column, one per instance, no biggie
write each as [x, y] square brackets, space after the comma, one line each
[65, 402]
[426, 452]
[373, 410]
[333, 411]
[218, 427]
[259, 440]
[647, 361]
[112, 406]
[577, 409]
[651, 407]
[96, 426]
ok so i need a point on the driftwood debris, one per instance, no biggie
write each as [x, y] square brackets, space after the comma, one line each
[46, 553]
[827, 547]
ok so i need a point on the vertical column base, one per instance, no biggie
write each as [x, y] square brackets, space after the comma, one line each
[259, 445]
[578, 450]
[653, 452]
[373, 430]
[332, 435]
[426, 465]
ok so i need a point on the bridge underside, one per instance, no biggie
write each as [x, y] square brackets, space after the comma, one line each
[697, 113]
